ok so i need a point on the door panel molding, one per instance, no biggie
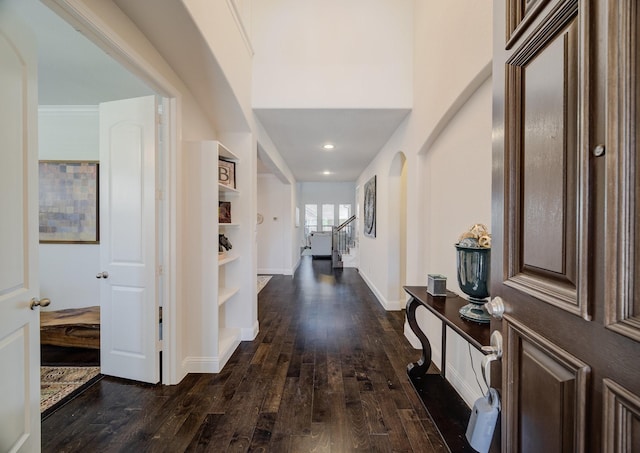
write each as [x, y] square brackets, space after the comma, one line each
[622, 287]
[621, 417]
[520, 13]
[543, 151]
[547, 383]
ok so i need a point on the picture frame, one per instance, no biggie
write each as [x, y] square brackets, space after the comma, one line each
[227, 173]
[69, 202]
[370, 208]
[224, 212]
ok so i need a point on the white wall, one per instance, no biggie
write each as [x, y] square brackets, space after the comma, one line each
[327, 192]
[68, 271]
[275, 232]
[270, 157]
[225, 27]
[456, 182]
[332, 53]
[447, 142]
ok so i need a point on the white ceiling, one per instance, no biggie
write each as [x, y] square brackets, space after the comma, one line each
[71, 69]
[358, 135]
[74, 71]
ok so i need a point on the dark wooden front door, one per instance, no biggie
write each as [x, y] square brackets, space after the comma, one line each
[565, 255]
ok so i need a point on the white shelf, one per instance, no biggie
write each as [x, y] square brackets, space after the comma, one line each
[227, 189]
[224, 294]
[229, 225]
[227, 259]
[226, 154]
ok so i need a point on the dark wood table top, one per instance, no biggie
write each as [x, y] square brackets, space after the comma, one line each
[447, 309]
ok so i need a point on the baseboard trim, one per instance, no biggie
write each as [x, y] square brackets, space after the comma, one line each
[201, 365]
[250, 333]
[387, 305]
[272, 271]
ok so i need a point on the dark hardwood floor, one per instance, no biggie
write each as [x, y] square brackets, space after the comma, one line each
[327, 373]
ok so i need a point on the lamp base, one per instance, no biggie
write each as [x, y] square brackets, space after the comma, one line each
[476, 312]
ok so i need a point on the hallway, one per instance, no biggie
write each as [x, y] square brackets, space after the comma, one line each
[327, 373]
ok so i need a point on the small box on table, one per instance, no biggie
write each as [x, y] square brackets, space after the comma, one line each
[436, 285]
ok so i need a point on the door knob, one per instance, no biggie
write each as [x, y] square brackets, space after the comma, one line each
[39, 303]
[104, 274]
[495, 307]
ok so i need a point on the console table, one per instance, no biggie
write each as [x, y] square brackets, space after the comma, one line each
[449, 412]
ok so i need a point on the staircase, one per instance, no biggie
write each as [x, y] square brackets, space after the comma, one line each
[343, 240]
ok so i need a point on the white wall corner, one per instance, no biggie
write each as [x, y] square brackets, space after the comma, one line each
[181, 372]
[395, 305]
[249, 334]
[295, 266]
[387, 305]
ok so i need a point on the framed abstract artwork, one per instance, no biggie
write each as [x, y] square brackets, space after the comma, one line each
[69, 210]
[370, 208]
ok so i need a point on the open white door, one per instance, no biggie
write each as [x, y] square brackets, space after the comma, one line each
[19, 326]
[129, 313]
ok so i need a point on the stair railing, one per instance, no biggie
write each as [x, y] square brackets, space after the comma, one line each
[341, 240]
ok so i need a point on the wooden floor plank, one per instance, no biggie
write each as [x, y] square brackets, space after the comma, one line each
[415, 431]
[326, 373]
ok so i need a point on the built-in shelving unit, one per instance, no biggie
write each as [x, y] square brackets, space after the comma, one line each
[217, 300]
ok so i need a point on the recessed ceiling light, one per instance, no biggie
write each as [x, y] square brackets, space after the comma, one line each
[326, 172]
[328, 146]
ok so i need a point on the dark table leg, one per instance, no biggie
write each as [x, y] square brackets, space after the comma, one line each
[418, 369]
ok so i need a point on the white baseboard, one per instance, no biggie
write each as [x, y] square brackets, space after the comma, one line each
[202, 365]
[251, 333]
[465, 389]
[272, 271]
[386, 304]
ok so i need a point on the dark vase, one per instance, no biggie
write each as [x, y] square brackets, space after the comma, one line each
[473, 278]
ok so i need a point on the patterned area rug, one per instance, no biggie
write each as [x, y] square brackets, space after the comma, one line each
[262, 281]
[58, 383]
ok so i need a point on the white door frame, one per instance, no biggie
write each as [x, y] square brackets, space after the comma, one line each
[93, 27]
